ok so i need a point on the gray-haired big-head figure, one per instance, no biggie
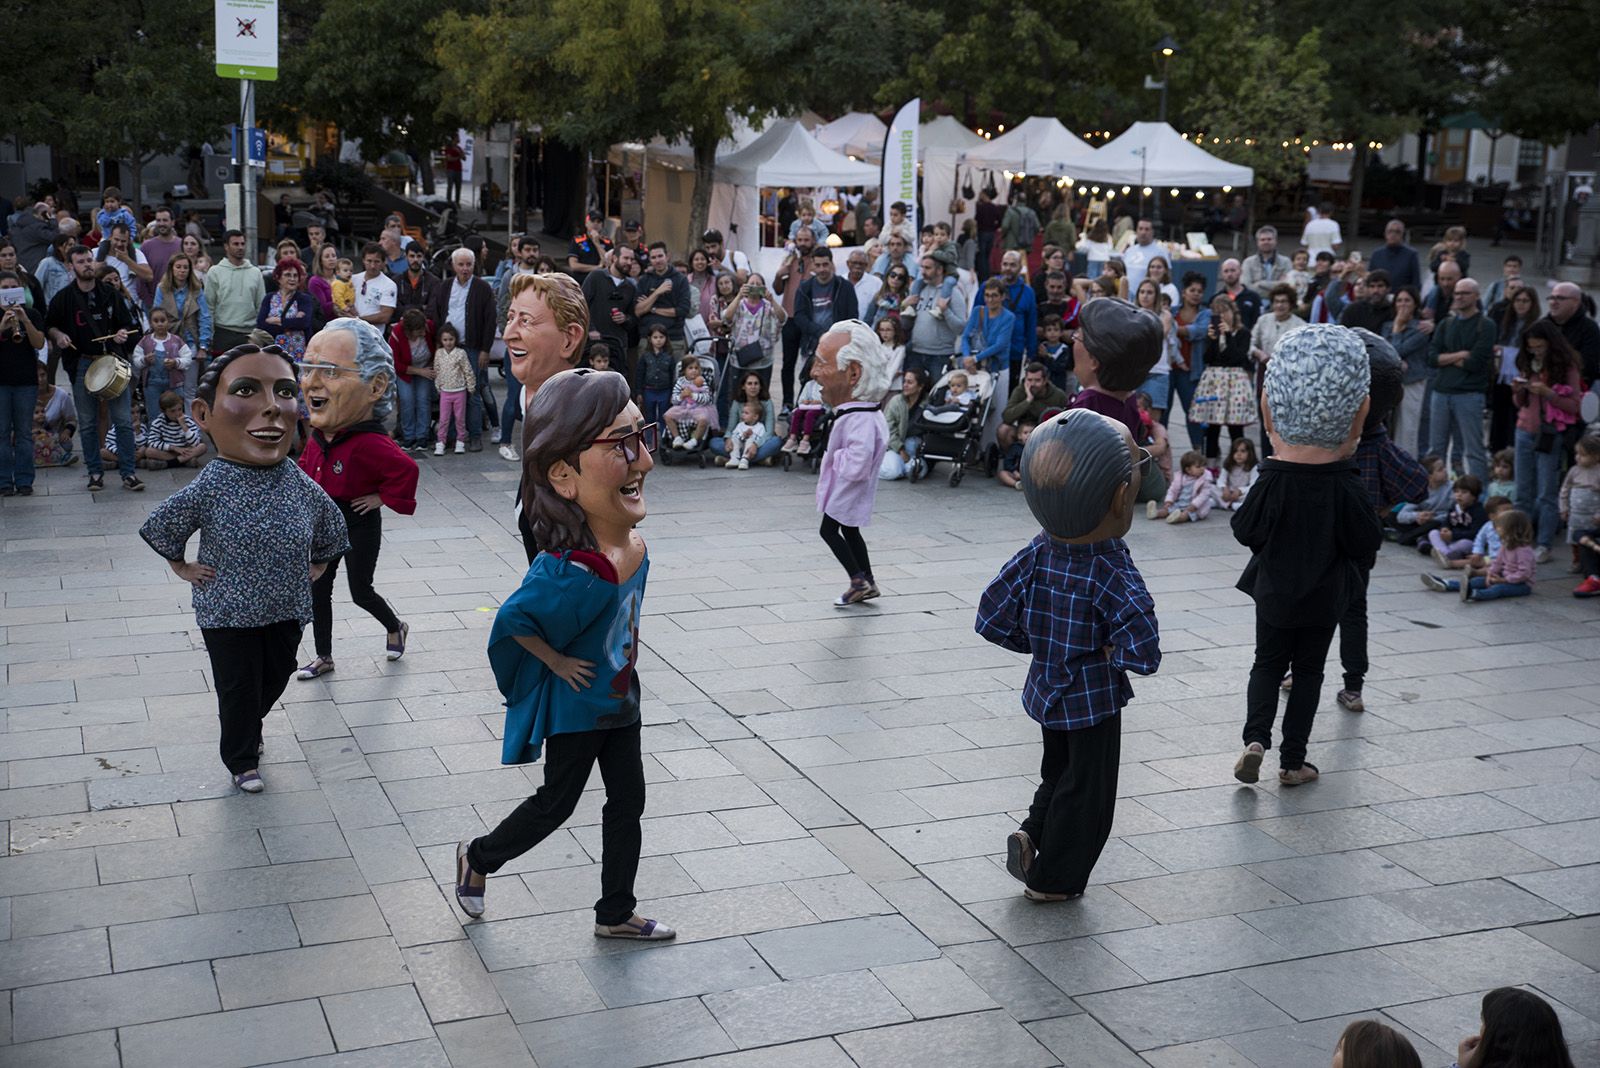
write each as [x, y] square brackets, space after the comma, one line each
[1124, 338]
[1315, 383]
[372, 357]
[1072, 466]
[865, 349]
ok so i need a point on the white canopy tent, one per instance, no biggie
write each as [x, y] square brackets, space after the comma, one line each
[1154, 154]
[942, 141]
[855, 133]
[784, 155]
[1038, 146]
[944, 133]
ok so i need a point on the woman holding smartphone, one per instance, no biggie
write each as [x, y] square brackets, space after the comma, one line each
[755, 329]
[21, 338]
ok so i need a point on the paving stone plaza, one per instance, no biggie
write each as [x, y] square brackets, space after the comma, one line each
[829, 797]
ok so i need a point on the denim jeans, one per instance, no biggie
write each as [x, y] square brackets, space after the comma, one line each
[475, 398]
[416, 408]
[892, 467]
[16, 435]
[511, 410]
[1183, 383]
[120, 409]
[1482, 591]
[1538, 485]
[1463, 413]
[765, 451]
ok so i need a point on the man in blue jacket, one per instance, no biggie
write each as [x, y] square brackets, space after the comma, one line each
[1021, 303]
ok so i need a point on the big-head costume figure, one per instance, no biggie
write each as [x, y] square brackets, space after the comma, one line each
[1117, 345]
[266, 531]
[852, 367]
[1311, 531]
[347, 377]
[1073, 599]
[565, 645]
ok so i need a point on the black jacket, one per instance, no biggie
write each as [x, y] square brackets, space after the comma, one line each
[83, 316]
[479, 314]
[812, 325]
[1313, 535]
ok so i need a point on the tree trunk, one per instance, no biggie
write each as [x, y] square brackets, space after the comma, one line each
[705, 172]
[1422, 167]
[1358, 181]
[131, 194]
[424, 158]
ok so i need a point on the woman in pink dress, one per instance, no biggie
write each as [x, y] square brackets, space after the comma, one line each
[852, 367]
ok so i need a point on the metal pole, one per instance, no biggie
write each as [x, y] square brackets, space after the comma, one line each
[511, 198]
[247, 182]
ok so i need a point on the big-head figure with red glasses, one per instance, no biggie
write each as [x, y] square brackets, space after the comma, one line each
[565, 645]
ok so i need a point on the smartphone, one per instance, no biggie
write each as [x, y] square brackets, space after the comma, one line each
[16, 295]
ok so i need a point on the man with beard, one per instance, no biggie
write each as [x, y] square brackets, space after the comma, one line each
[665, 298]
[161, 243]
[81, 312]
[794, 272]
[415, 284]
[611, 296]
[1246, 299]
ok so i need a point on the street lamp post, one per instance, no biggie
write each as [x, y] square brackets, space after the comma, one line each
[1164, 49]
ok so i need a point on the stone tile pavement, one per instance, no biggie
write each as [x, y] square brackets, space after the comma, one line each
[829, 795]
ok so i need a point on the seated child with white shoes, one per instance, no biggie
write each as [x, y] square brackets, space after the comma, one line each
[803, 419]
[1485, 547]
[1192, 494]
[745, 437]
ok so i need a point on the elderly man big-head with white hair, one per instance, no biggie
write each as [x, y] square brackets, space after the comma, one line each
[852, 367]
[347, 376]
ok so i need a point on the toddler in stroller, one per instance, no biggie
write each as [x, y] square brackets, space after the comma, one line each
[951, 424]
[693, 415]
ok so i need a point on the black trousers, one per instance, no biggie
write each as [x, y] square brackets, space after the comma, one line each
[1214, 437]
[791, 356]
[1353, 638]
[1278, 649]
[1070, 818]
[568, 759]
[250, 667]
[848, 547]
[360, 564]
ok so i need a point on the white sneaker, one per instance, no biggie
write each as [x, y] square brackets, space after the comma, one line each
[680, 442]
[438, 449]
[461, 446]
[744, 463]
[508, 453]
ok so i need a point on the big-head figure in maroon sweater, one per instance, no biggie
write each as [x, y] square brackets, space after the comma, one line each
[347, 379]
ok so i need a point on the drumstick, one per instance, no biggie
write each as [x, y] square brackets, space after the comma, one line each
[108, 337]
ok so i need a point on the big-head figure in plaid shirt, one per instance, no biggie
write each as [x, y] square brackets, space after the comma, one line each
[1074, 600]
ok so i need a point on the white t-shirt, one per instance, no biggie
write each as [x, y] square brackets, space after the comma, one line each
[1320, 235]
[127, 272]
[374, 293]
[867, 290]
[1136, 258]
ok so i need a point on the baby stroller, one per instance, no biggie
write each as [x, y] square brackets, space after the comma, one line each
[819, 446]
[953, 433]
[712, 370]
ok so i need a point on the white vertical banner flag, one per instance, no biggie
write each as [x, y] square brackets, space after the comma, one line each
[900, 162]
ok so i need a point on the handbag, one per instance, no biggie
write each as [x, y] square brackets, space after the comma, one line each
[967, 192]
[748, 355]
[988, 184]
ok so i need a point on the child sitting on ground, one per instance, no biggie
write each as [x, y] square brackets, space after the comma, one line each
[344, 287]
[108, 448]
[1010, 473]
[171, 439]
[454, 378]
[1452, 536]
[1239, 472]
[693, 415]
[1502, 475]
[803, 419]
[746, 437]
[1191, 495]
[1485, 547]
[1412, 521]
[1580, 493]
[1512, 572]
[1154, 439]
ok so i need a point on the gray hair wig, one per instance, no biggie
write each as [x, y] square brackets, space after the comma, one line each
[372, 358]
[866, 351]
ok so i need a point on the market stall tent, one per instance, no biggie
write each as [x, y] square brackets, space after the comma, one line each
[856, 133]
[1038, 146]
[1154, 154]
[784, 155]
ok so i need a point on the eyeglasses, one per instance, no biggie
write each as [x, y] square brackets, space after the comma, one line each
[1144, 461]
[630, 443]
[329, 370]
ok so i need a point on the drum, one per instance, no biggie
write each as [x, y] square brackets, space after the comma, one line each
[108, 376]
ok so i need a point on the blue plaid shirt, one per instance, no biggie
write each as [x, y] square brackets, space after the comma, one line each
[1066, 604]
[1390, 475]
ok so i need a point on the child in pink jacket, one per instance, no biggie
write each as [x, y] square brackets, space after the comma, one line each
[1191, 495]
[1511, 573]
